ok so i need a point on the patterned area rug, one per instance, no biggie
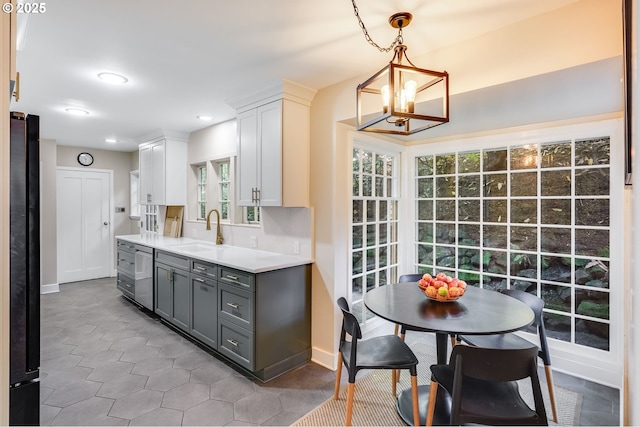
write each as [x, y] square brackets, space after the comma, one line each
[375, 406]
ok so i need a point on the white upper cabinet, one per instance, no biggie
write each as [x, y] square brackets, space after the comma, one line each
[163, 171]
[273, 146]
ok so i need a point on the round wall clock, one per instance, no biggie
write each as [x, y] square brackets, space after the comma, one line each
[85, 159]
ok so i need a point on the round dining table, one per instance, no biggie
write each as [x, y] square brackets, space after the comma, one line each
[477, 312]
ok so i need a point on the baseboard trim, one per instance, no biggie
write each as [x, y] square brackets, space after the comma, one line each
[49, 289]
[323, 358]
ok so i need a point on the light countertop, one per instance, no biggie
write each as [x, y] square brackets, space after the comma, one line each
[245, 259]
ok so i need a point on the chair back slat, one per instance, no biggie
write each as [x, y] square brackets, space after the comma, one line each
[494, 364]
[532, 301]
[409, 278]
[350, 324]
[537, 305]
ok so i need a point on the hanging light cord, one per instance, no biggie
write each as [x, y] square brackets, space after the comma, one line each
[398, 40]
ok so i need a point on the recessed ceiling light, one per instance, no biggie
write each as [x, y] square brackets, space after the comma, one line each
[112, 78]
[77, 111]
[205, 118]
[111, 140]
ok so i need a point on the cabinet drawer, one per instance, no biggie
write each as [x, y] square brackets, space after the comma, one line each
[241, 279]
[126, 246]
[126, 285]
[173, 260]
[126, 263]
[236, 343]
[236, 305]
[209, 270]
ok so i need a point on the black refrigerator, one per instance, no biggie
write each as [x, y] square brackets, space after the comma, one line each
[24, 213]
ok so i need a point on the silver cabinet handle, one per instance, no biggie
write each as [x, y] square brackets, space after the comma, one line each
[119, 281]
[197, 279]
[200, 268]
[232, 305]
[232, 277]
[233, 342]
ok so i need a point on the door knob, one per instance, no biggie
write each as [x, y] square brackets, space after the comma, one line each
[105, 223]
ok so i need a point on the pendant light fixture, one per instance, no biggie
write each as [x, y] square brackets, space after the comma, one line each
[401, 99]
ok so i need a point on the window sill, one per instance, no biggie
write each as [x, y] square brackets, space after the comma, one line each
[227, 223]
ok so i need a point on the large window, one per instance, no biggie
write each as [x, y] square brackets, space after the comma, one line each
[212, 188]
[374, 224]
[535, 217]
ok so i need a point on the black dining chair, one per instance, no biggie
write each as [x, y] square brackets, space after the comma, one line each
[383, 352]
[405, 278]
[513, 341]
[480, 382]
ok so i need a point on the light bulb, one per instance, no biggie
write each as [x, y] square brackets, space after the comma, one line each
[410, 88]
[384, 92]
[402, 100]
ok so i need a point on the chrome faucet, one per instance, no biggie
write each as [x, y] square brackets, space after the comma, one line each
[219, 238]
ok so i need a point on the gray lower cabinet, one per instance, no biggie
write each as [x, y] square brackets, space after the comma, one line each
[125, 261]
[126, 285]
[173, 289]
[204, 309]
[264, 319]
[237, 344]
[262, 322]
[163, 290]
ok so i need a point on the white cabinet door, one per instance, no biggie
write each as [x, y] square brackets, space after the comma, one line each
[158, 167]
[247, 176]
[260, 156]
[145, 174]
[270, 154]
[83, 224]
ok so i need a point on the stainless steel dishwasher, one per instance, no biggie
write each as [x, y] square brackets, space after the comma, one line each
[144, 276]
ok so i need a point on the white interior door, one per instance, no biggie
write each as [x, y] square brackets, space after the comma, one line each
[83, 217]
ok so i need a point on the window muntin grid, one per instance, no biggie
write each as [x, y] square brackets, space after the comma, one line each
[530, 217]
[201, 174]
[374, 225]
[224, 184]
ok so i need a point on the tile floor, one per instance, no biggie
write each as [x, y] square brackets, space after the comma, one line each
[105, 362]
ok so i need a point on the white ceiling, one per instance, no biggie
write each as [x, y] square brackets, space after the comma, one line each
[184, 58]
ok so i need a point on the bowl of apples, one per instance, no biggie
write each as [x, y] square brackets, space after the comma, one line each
[442, 288]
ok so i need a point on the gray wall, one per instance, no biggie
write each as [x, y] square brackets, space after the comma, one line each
[51, 157]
